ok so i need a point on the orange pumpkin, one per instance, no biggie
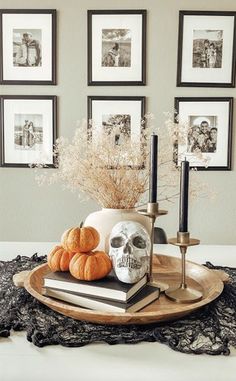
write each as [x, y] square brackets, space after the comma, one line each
[90, 266]
[59, 259]
[80, 239]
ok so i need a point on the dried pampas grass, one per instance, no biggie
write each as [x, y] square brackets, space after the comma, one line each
[117, 176]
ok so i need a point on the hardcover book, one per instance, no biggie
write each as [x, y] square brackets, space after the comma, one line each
[109, 287]
[144, 297]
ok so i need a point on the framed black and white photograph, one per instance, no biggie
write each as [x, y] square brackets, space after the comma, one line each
[28, 130]
[207, 140]
[28, 46]
[117, 47]
[118, 117]
[206, 49]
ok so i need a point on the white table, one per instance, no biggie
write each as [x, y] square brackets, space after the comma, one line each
[22, 361]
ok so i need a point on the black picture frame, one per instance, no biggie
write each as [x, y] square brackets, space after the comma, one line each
[230, 101]
[142, 80]
[180, 82]
[142, 99]
[53, 73]
[54, 134]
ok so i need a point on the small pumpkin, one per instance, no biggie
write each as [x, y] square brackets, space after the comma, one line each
[90, 266]
[80, 239]
[59, 259]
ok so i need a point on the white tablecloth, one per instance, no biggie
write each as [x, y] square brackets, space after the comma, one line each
[22, 361]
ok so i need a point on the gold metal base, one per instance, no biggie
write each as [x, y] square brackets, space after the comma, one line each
[152, 210]
[184, 294]
[161, 285]
[191, 242]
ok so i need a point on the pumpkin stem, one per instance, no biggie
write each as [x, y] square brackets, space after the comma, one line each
[81, 224]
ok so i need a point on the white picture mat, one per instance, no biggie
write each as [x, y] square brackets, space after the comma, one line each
[132, 108]
[219, 109]
[27, 21]
[215, 75]
[26, 106]
[132, 22]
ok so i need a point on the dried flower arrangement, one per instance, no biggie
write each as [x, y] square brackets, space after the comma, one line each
[116, 176]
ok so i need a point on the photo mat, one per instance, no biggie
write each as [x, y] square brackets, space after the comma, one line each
[117, 47]
[28, 47]
[120, 118]
[206, 49]
[28, 130]
[206, 130]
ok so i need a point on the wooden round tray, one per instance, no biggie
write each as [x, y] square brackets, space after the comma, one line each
[166, 269]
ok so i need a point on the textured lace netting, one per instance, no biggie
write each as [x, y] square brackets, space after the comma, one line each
[210, 330]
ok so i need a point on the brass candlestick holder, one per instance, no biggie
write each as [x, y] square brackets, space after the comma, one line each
[152, 211]
[184, 293]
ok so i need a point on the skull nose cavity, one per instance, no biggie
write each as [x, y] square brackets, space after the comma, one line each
[127, 248]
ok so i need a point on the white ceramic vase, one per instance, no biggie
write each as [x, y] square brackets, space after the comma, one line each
[104, 220]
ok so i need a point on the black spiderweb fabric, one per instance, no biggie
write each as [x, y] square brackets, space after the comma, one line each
[210, 330]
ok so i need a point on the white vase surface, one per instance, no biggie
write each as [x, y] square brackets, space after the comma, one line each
[104, 220]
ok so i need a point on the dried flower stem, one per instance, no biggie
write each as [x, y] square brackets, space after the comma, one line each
[116, 176]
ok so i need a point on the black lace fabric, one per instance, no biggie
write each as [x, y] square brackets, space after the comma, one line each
[210, 330]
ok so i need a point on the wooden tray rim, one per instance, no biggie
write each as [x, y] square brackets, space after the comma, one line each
[182, 308]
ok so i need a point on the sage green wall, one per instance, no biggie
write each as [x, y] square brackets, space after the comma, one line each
[32, 213]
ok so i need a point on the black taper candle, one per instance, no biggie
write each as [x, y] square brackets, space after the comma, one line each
[153, 168]
[183, 200]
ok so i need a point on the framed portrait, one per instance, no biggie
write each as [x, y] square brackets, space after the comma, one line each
[117, 47]
[28, 130]
[207, 141]
[206, 49]
[118, 117]
[27, 47]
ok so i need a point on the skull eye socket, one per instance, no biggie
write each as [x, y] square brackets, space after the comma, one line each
[139, 242]
[117, 242]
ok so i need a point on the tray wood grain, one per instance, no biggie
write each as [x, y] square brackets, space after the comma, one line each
[166, 269]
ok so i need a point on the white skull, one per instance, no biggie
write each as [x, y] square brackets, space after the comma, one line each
[129, 249]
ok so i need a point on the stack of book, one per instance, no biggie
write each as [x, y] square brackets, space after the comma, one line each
[107, 294]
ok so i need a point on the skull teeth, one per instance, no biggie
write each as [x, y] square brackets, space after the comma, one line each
[127, 261]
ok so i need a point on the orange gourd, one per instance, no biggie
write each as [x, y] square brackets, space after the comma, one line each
[80, 239]
[90, 266]
[59, 259]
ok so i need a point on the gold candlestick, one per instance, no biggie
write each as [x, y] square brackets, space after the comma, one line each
[184, 293]
[152, 212]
